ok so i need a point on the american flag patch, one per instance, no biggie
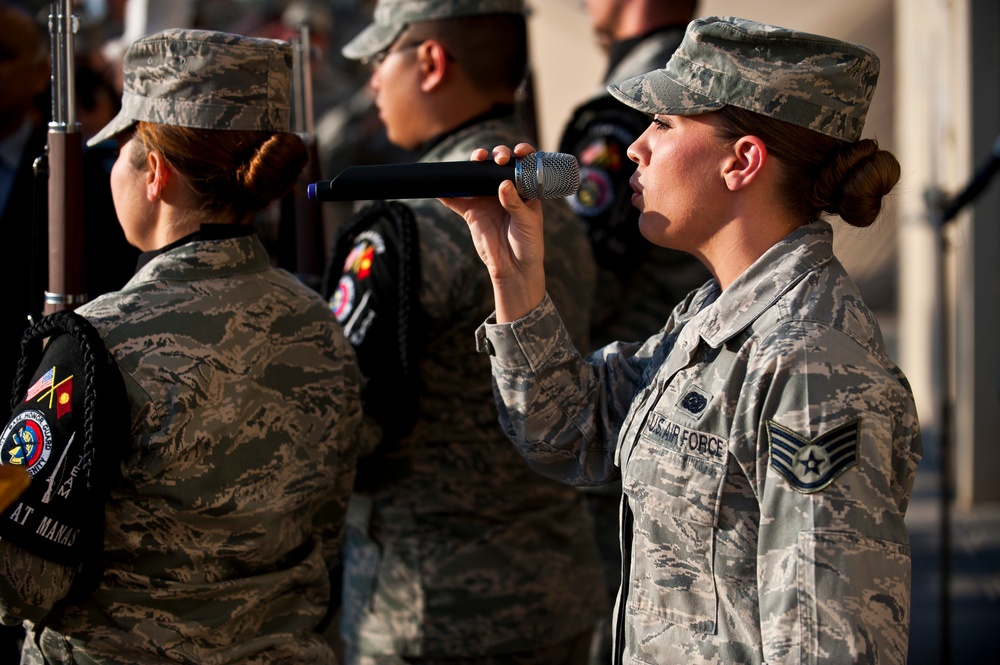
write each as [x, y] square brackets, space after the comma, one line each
[809, 465]
[44, 383]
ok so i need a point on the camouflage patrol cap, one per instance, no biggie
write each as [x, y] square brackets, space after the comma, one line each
[392, 16]
[206, 80]
[816, 82]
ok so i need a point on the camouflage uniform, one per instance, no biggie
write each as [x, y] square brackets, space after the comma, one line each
[764, 495]
[244, 399]
[638, 283]
[766, 443]
[244, 407]
[454, 546]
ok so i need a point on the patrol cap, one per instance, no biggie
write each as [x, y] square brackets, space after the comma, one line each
[808, 80]
[206, 80]
[392, 16]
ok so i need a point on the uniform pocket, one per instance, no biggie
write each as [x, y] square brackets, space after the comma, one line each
[675, 497]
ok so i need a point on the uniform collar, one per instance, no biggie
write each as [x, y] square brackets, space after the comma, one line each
[496, 111]
[206, 232]
[765, 281]
[194, 261]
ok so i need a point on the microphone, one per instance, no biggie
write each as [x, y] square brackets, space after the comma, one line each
[540, 175]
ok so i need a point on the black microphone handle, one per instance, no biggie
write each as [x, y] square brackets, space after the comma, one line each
[421, 180]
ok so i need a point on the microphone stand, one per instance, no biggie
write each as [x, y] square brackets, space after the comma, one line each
[942, 211]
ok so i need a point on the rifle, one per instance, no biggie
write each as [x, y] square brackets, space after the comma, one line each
[301, 244]
[64, 152]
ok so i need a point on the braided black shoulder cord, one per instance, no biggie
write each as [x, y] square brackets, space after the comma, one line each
[86, 337]
[409, 280]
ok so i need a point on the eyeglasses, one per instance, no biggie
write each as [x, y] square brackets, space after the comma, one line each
[374, 61]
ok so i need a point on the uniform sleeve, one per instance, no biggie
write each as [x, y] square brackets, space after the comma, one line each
[66, 430]
[838, 443]
[561, 410]
[29, 585]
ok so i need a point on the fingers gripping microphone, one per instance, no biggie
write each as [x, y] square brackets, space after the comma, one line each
[540, 175]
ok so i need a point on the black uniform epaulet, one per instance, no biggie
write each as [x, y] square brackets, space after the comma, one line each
[68, 427]
[372, 284]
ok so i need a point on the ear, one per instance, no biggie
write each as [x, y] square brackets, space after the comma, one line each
[745, 163]
[434, 64]
[158, 175]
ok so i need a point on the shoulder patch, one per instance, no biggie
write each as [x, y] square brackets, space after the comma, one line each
[810, 465]
[68, 426]
[27, 442]
[351, 299]
[372, 286]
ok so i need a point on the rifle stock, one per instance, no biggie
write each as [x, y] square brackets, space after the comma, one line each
[67, 267]
[309, 244]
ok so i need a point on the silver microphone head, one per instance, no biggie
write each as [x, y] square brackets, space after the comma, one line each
[547, 175]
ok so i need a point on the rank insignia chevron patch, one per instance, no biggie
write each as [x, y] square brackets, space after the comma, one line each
[811, 465]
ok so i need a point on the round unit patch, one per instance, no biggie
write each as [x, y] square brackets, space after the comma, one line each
[27, 442]
[342, 300]
[595, 194]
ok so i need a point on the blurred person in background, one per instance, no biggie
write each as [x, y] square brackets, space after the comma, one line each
[24, 116]
[456, 551]
[24, 82]
[25, 110]
[350, 133]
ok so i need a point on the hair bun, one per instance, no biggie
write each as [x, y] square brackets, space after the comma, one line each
[854, 182]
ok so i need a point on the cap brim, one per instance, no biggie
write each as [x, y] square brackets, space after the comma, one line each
[118, 124]
[373, 39]
[656, 92]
